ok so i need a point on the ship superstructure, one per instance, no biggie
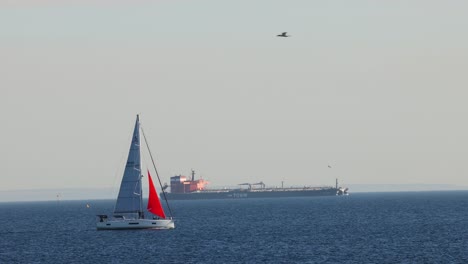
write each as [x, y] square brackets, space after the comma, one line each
[180, 184]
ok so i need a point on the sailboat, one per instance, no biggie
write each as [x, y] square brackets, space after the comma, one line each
[129, 212]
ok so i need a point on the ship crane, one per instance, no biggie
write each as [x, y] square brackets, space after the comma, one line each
[262, 185]
[246, 183]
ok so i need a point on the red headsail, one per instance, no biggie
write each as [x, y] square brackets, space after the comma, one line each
[154, 204]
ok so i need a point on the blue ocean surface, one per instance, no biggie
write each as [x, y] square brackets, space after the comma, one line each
[413, 227]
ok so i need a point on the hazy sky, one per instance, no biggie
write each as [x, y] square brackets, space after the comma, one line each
[377, 89]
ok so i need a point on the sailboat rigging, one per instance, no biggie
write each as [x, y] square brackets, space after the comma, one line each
[129, 212]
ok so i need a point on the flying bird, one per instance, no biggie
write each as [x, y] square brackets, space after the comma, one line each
[284, 35]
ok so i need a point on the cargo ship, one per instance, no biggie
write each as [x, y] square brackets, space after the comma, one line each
[182, 188]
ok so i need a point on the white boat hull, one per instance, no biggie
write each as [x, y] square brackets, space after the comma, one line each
[135, 224]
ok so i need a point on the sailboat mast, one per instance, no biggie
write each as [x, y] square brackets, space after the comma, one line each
[140, 191]
[154, 165]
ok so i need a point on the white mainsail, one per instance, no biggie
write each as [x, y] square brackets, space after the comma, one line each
[130, 198]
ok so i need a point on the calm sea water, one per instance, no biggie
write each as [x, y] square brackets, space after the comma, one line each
[425, 227]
